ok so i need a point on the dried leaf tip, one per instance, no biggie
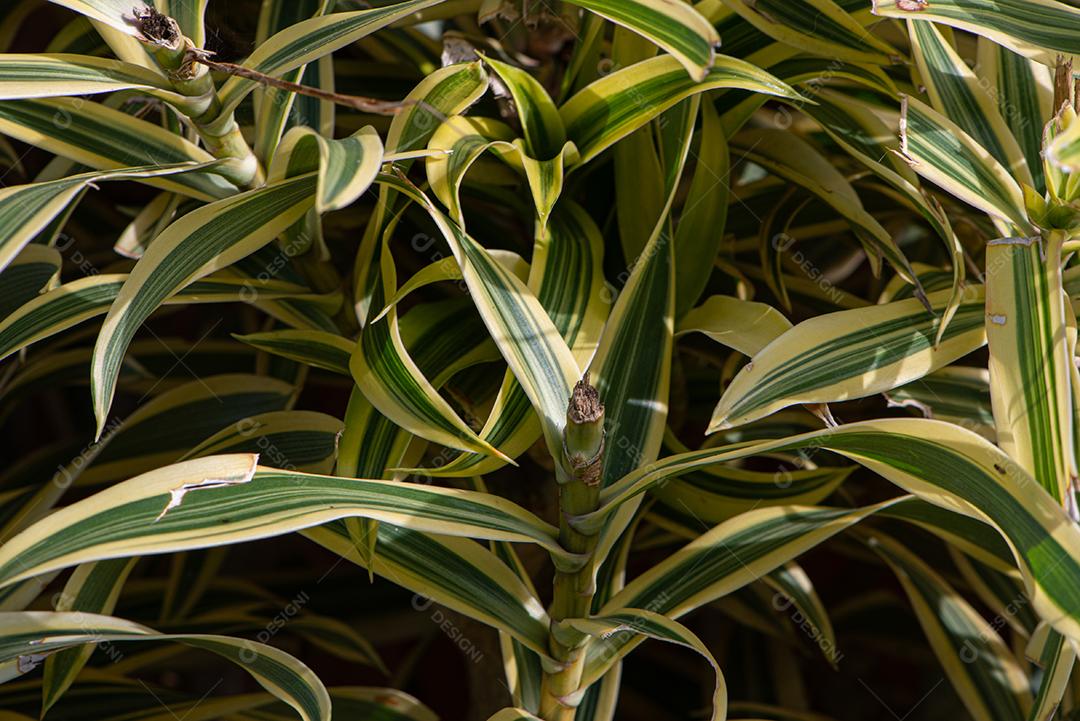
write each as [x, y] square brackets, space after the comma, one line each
[158, 28]
[583, 438]
[585, 405]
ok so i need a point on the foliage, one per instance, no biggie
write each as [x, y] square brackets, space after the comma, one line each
[553, 315]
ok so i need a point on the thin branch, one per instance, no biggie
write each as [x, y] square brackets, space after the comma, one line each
[364, 105]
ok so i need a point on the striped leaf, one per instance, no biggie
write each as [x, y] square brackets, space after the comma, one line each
[346, 167]
[92, 588]
[318, 349]
[189, 15]
[724, 559]
[1062, 151]
[276, 109]
[960, 96]
[679, 29]
[29, 637]
[613, 627]
[1055, 655]
[632, 365]
[566, 276]
[1003, 593]
[28, 75]
[34, 268]
[1023, 90]
[393, 383]
[540, 122]
[980, 666]
[166, 426]
[446, 269]
[435, 335]
[958, 394]
[513, 714]
[25, 210]
[1030, 359]
[208, 238]
[796, 161]
[722, 492]
[820, 27]
[115, 13]
[703, 214]
[619, 103]
[453, 572]
[462, 140]
[531, 344]
[69, 304]
[444, 93]
[797, 590]
[943, 153]
[943, 464]
[850, 354]
[1038, 29]
[100, 137]
[170, 509]
[308, 40]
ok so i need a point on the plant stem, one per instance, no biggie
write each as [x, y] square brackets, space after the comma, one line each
[218, 130]
[578, 474]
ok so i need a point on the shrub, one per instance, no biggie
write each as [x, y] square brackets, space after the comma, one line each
[554, 323]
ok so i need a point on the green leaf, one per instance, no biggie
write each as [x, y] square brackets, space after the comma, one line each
[674, 26]
[72, 303]
[30, 636]
[92, 588]
[25, 210]
[610, 628]
[1030, 359]
[107, 139]
[980, 666]
[940, 151]
[619, 103]
[1038, 29]
[943, 464]
[850, 354]
[960, 96]
[28, 75]
[531, 344]
[172, 509]
[308, 40]
[205, 239]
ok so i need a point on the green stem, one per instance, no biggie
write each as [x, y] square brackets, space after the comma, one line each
[219, 131]
[578, 474]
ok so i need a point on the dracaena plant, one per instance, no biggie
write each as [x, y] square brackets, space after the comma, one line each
[502, 317]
